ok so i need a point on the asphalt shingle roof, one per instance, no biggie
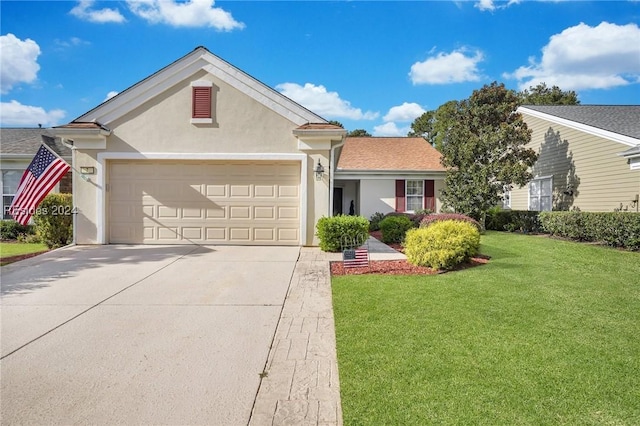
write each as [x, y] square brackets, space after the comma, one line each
[26, 142]
[378, 154]
[621, 119]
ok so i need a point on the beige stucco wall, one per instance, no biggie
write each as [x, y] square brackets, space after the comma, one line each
[601, 179]
[241, 126]
[379, 195]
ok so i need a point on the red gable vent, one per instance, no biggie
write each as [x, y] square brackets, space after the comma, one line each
[201, 102]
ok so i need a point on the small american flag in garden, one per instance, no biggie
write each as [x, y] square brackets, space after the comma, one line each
[44, 172]
[355, 258]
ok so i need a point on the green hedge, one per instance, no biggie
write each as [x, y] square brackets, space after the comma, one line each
[54, 220]
[394, 228]
[11, 230]
[616, 229]
[443, 244]
[335, 231]
[514, 221]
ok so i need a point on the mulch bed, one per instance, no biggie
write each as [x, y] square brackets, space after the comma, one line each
[400, 267]
[11, 259]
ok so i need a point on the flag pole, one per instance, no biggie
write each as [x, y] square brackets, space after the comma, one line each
[82, 175]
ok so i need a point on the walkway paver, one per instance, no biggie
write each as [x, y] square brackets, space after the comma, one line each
[301, 385]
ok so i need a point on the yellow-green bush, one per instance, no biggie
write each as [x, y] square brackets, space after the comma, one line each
[54, 220]
[442, 245]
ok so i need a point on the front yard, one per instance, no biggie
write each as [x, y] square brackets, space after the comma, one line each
[545, 333]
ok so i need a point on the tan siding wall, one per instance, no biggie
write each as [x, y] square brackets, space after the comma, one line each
[601, 180]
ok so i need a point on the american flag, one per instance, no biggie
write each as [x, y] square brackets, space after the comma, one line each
[355, 258]
[44, 172]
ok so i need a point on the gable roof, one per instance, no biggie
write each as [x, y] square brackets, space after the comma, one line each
[388, 154]
[25, 142]
[616, 122]
[199, 59]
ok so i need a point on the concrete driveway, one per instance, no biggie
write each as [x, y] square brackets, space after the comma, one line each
[139, 334]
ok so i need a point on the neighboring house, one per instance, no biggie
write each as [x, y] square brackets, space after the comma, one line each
[589, 158]
[17, 148]
[201, 152]
[387, 174]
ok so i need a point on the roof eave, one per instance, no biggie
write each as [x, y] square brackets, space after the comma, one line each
[606, 134]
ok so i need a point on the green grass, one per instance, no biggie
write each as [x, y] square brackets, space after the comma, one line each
[14, 249]
[547, 333]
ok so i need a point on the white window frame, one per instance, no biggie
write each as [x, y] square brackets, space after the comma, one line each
[5, 207]
[539, 196]
[413, 196]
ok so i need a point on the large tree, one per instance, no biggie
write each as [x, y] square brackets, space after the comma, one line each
[358, 133]
[485, 150]
[433, 125]
[544, 95]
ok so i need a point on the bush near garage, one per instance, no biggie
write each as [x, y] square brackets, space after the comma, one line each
[439, 217]
[443, 244]
[615, 229]
[54, 220]
[11, 230]
[394, 228]
[334, 231]
[524, 221]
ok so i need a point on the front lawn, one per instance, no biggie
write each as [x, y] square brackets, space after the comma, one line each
[14, 251]
[546, 333]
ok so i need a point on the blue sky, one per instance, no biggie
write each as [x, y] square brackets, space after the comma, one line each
[368, 64]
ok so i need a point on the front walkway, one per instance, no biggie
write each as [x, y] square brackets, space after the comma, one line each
[301, 385]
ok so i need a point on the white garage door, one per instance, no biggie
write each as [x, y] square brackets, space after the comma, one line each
[205, 202]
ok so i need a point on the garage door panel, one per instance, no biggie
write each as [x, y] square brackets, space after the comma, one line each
[164, 202]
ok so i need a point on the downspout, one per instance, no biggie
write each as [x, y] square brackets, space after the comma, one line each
[332, 167]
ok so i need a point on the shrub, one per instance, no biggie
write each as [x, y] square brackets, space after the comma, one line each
[415, 218]
[12, 230]
[335, 231]
[394, 228]
[54, 220]
[438, 217]
[374, 221]
[615, 229]
[514, 221]
[443, 244]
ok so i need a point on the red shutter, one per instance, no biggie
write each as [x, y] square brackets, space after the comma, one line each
[201, 102]
[429, 195]
[400, 196]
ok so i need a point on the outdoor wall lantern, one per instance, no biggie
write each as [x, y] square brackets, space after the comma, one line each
[319, 171]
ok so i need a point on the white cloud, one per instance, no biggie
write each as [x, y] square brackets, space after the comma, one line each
[324, 103]
[73, 41]
[455, 67]
[485, 5]
[390, 129]
[16, 114]
[490, 5]
[110, 95]
[584, 57]
[19, 61]
[405, 112]
[84, 12]
[192, 13]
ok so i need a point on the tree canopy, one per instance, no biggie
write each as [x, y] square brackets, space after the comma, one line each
[485, 150]
[358, 133]
[543, 95]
